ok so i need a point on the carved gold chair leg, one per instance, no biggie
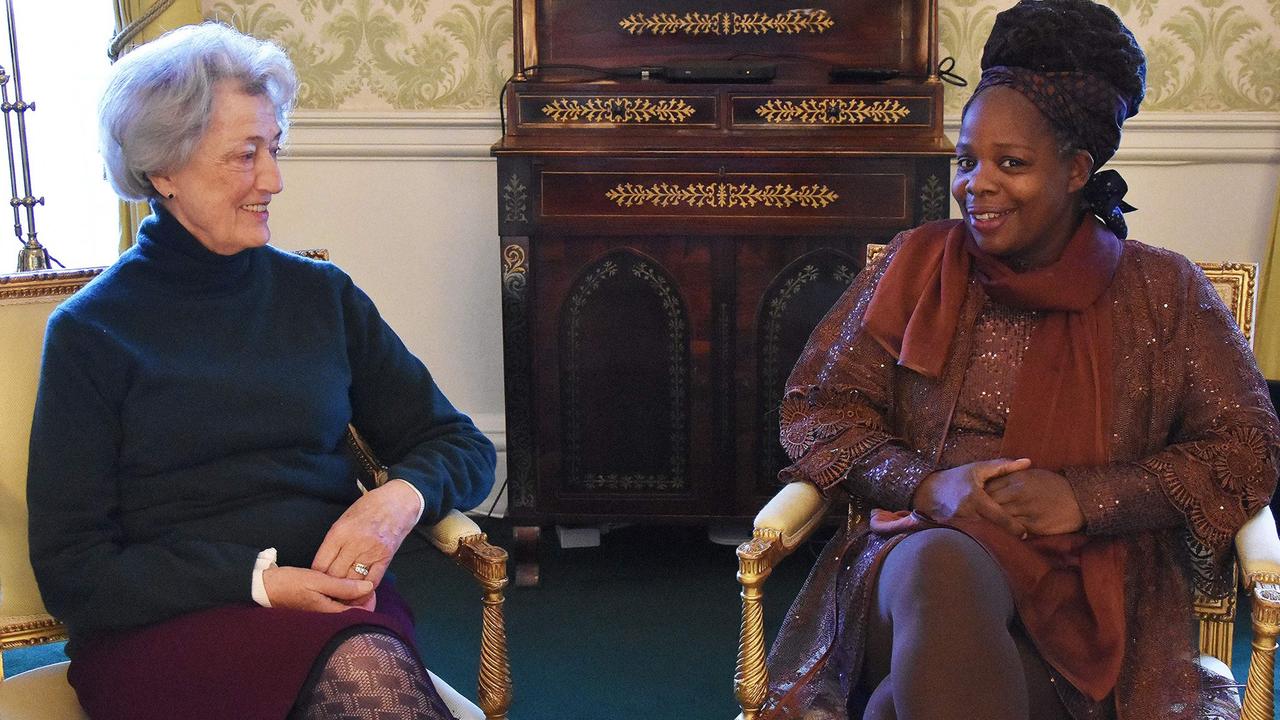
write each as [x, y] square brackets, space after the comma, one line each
[756, 560]
[488, 564]
[1259, 690]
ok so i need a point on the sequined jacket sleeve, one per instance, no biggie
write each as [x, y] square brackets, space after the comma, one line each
[1183, 370]
[835, 417]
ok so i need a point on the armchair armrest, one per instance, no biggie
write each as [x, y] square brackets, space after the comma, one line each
[793, 513]
[459, 537]
[448, 533]
[1258, 548]
[780, 527]
[1258, 552]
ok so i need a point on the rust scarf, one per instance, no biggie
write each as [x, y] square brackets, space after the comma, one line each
[1069, 589]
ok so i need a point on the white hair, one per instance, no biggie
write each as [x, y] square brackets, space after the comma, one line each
[159, 99]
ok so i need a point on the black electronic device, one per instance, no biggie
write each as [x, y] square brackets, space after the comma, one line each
[721, 72]
[862, 75]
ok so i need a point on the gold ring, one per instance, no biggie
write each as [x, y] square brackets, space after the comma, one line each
[361, 569]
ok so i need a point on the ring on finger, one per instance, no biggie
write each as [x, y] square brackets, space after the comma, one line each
[360, 569]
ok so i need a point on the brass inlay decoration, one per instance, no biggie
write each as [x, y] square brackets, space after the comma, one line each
[791, 22]
[513, 270]
[833, 111]
[515, 281]
[677, 372]
[933, 200]
[515, 200]
[672, 111]
[721, 195]
[573, 430]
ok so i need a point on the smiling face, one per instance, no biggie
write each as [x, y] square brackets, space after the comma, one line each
[1017, 192]
[221, 194]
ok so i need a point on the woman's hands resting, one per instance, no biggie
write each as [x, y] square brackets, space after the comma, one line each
[370, 533]
[1042, 500]
[306, 589]
[1008, 493]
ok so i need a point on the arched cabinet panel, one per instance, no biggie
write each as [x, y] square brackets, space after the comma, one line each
[621, 359]
[793, 303]
[624, 379]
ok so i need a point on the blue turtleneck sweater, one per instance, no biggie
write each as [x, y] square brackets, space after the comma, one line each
[191, 412]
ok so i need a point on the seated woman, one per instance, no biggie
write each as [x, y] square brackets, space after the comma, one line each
[1049, 414]
[194, 518]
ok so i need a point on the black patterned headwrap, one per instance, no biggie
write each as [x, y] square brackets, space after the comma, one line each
[1087, 111]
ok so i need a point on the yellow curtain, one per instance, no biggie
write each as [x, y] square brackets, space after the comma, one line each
[137, 22]
[1267, 344]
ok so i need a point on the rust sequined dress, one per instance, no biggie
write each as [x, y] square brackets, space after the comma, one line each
[1195, 446]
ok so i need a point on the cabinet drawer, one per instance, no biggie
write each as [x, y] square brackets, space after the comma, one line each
[683, 199]
[857, 113]
[577, 111]
[830, 112]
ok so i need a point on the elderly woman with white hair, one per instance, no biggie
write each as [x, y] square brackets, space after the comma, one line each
[194, 519]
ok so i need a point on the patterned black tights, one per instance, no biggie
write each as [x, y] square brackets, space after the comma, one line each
[372, 676]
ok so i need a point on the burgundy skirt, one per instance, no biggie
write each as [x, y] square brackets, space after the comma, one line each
[242, 661]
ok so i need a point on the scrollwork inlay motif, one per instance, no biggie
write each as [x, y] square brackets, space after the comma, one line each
[577, 302]
[791, 22]
[674, 476]
[515, 356]
[515, 200]
[933, 199]
[833, 111]
[721, 195]
[633, 110]
[513, 270]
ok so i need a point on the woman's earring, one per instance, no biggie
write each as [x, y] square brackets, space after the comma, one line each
[170, 196]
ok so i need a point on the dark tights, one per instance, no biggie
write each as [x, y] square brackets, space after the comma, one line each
[944, 642]
[372, 675]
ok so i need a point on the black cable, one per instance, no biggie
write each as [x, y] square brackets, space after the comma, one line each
[945, 68]
[781, 56]
[602, 71]
[502, 105]
[501, 489]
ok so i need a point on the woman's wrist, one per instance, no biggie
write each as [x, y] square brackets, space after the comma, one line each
[257, 587]
[422, 502]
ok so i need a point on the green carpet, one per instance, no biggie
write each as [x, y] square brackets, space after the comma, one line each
[643, 626]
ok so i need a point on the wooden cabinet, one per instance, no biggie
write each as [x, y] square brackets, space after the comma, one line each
[668, 247]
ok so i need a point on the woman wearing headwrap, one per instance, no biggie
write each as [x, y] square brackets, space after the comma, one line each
[1050, 418]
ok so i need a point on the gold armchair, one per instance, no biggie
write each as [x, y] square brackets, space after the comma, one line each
[797, 509]
[43, 693]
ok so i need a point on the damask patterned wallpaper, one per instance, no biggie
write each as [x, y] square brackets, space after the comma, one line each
[1204, 55]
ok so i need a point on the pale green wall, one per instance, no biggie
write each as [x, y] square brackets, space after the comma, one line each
[1204, 55]
[385, 54]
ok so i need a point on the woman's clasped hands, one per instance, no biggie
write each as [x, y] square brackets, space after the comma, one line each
[365, 537]
[1007, 493]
